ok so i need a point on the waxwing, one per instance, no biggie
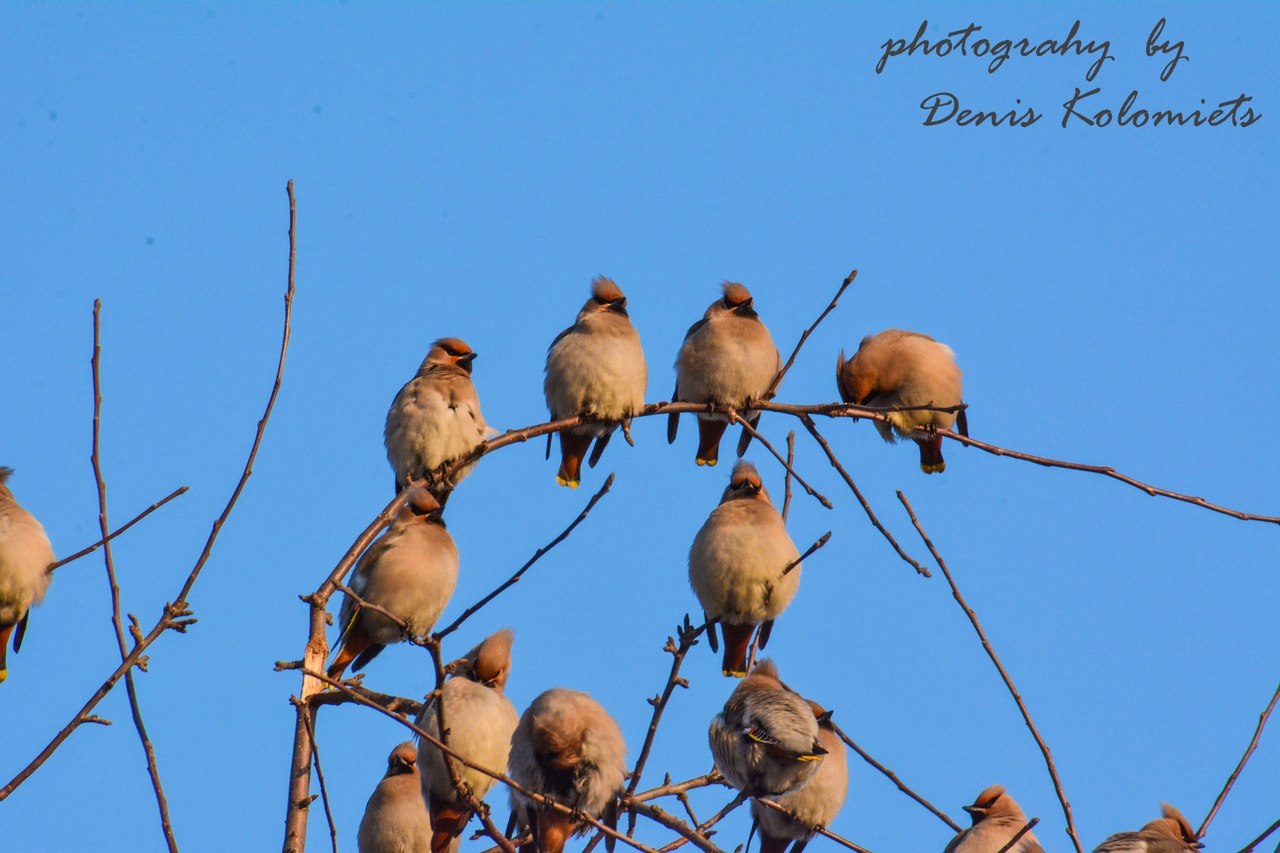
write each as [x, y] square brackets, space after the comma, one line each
[25, 557]
[765, 741]
[410, 572]
[737, 567]
[1171, 833]
[727, 358]
[816, 803]
[395, 820]
[479, 720]
[996, 819]
[566, 747]
[435, 418]
[595, 367]
[897, 368]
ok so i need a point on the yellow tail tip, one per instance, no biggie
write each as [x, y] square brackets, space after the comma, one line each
[734, 673]
[573, 484]
[933, 469]
[710, 463]
[4, 673]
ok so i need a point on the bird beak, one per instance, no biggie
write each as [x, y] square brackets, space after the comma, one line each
[744, 309]
[465, 360]
[618, 306]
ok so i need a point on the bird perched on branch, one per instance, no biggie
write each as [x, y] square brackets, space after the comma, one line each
[566, 747]
[816, 803]
[596, 368]
[395, 820]
[435, 418]
[25, 556]
[479, 720]
[897, 368]
[765, 741]
[996, 819]
[738, 567]
[410, 572]
[728, 358]
[1171, 833]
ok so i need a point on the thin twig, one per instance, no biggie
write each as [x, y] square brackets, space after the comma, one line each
[176, 615]
[181, 490]
[511, 581]
[1248, 848]
[1017, 836]
[857, 493]
[734, 417]
[893, 777]
[675, 789]
[670, 821]
[822, 540]
[1004, 675]
[777, 380]
[324, 789]
[1231, 780]
[95, 458]
[820, 830]
[786, 482]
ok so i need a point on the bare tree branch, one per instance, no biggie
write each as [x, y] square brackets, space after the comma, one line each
[1017, 836]
[754, 433]
[181, 490]
[1231, 780]
[804, 336]
[820, 830]
[324, 789]
[1249, 848]
[786, 481]
[1004, 675]
[822, 540]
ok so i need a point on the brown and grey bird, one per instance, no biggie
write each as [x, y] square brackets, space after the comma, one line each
[395, 820]
[410, 572]
[765, 741]
[816, 803]
[25, 556]
[996, 819]
[737, 567]
[728, 358]
[479, 720]
[897, 368]
[569, 749]
[1171, 833]
[435, 418]
[595, 367]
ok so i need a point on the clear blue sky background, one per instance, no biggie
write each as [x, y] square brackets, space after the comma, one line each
[465, 170]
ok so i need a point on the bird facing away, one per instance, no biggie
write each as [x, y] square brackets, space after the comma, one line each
[410, 572]
[728, 358]
[595, 367]
[736, 567]
[815, 804]
[25, 556]
[566, 747]
[395, 820]
[897, 368]
[765, 741]
[479, 720]
[435, 418]
[996, 819]
[1171, 833]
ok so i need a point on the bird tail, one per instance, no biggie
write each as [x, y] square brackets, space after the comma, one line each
[357, 646]
[552, 829]
[709, 433]
[447, 822]
[737, 643]
[572, 449]
[4, 650]
[931, 461]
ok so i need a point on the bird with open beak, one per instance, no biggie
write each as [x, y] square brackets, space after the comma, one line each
[738, 567]
[567, 748]
[25, 557]
[435, 418]
[395, 819]
[480, 721]
[816, 803]
[896, 368]
[1170, 833]
[765, 741]
[410, 572]
[996, 820]
[727, 358]
[595, 368]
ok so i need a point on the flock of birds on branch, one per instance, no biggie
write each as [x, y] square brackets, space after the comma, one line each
[768, 742]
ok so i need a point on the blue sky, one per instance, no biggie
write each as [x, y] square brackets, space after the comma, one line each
[465, 170]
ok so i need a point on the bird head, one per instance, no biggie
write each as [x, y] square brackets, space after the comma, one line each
[403, 759]
[745, 484]
[605, 296]
[450, 351]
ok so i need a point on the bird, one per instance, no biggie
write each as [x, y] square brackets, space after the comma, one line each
[435, 418]
[410, 572]
[25, 557]
[738, 567]
[765, 741]
[1171, 833]
[899, 368]
[996, 819]
[594, 368]
[479, 720]
[727, 358]
[567, 748]
[816, 803]
[395, 819]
